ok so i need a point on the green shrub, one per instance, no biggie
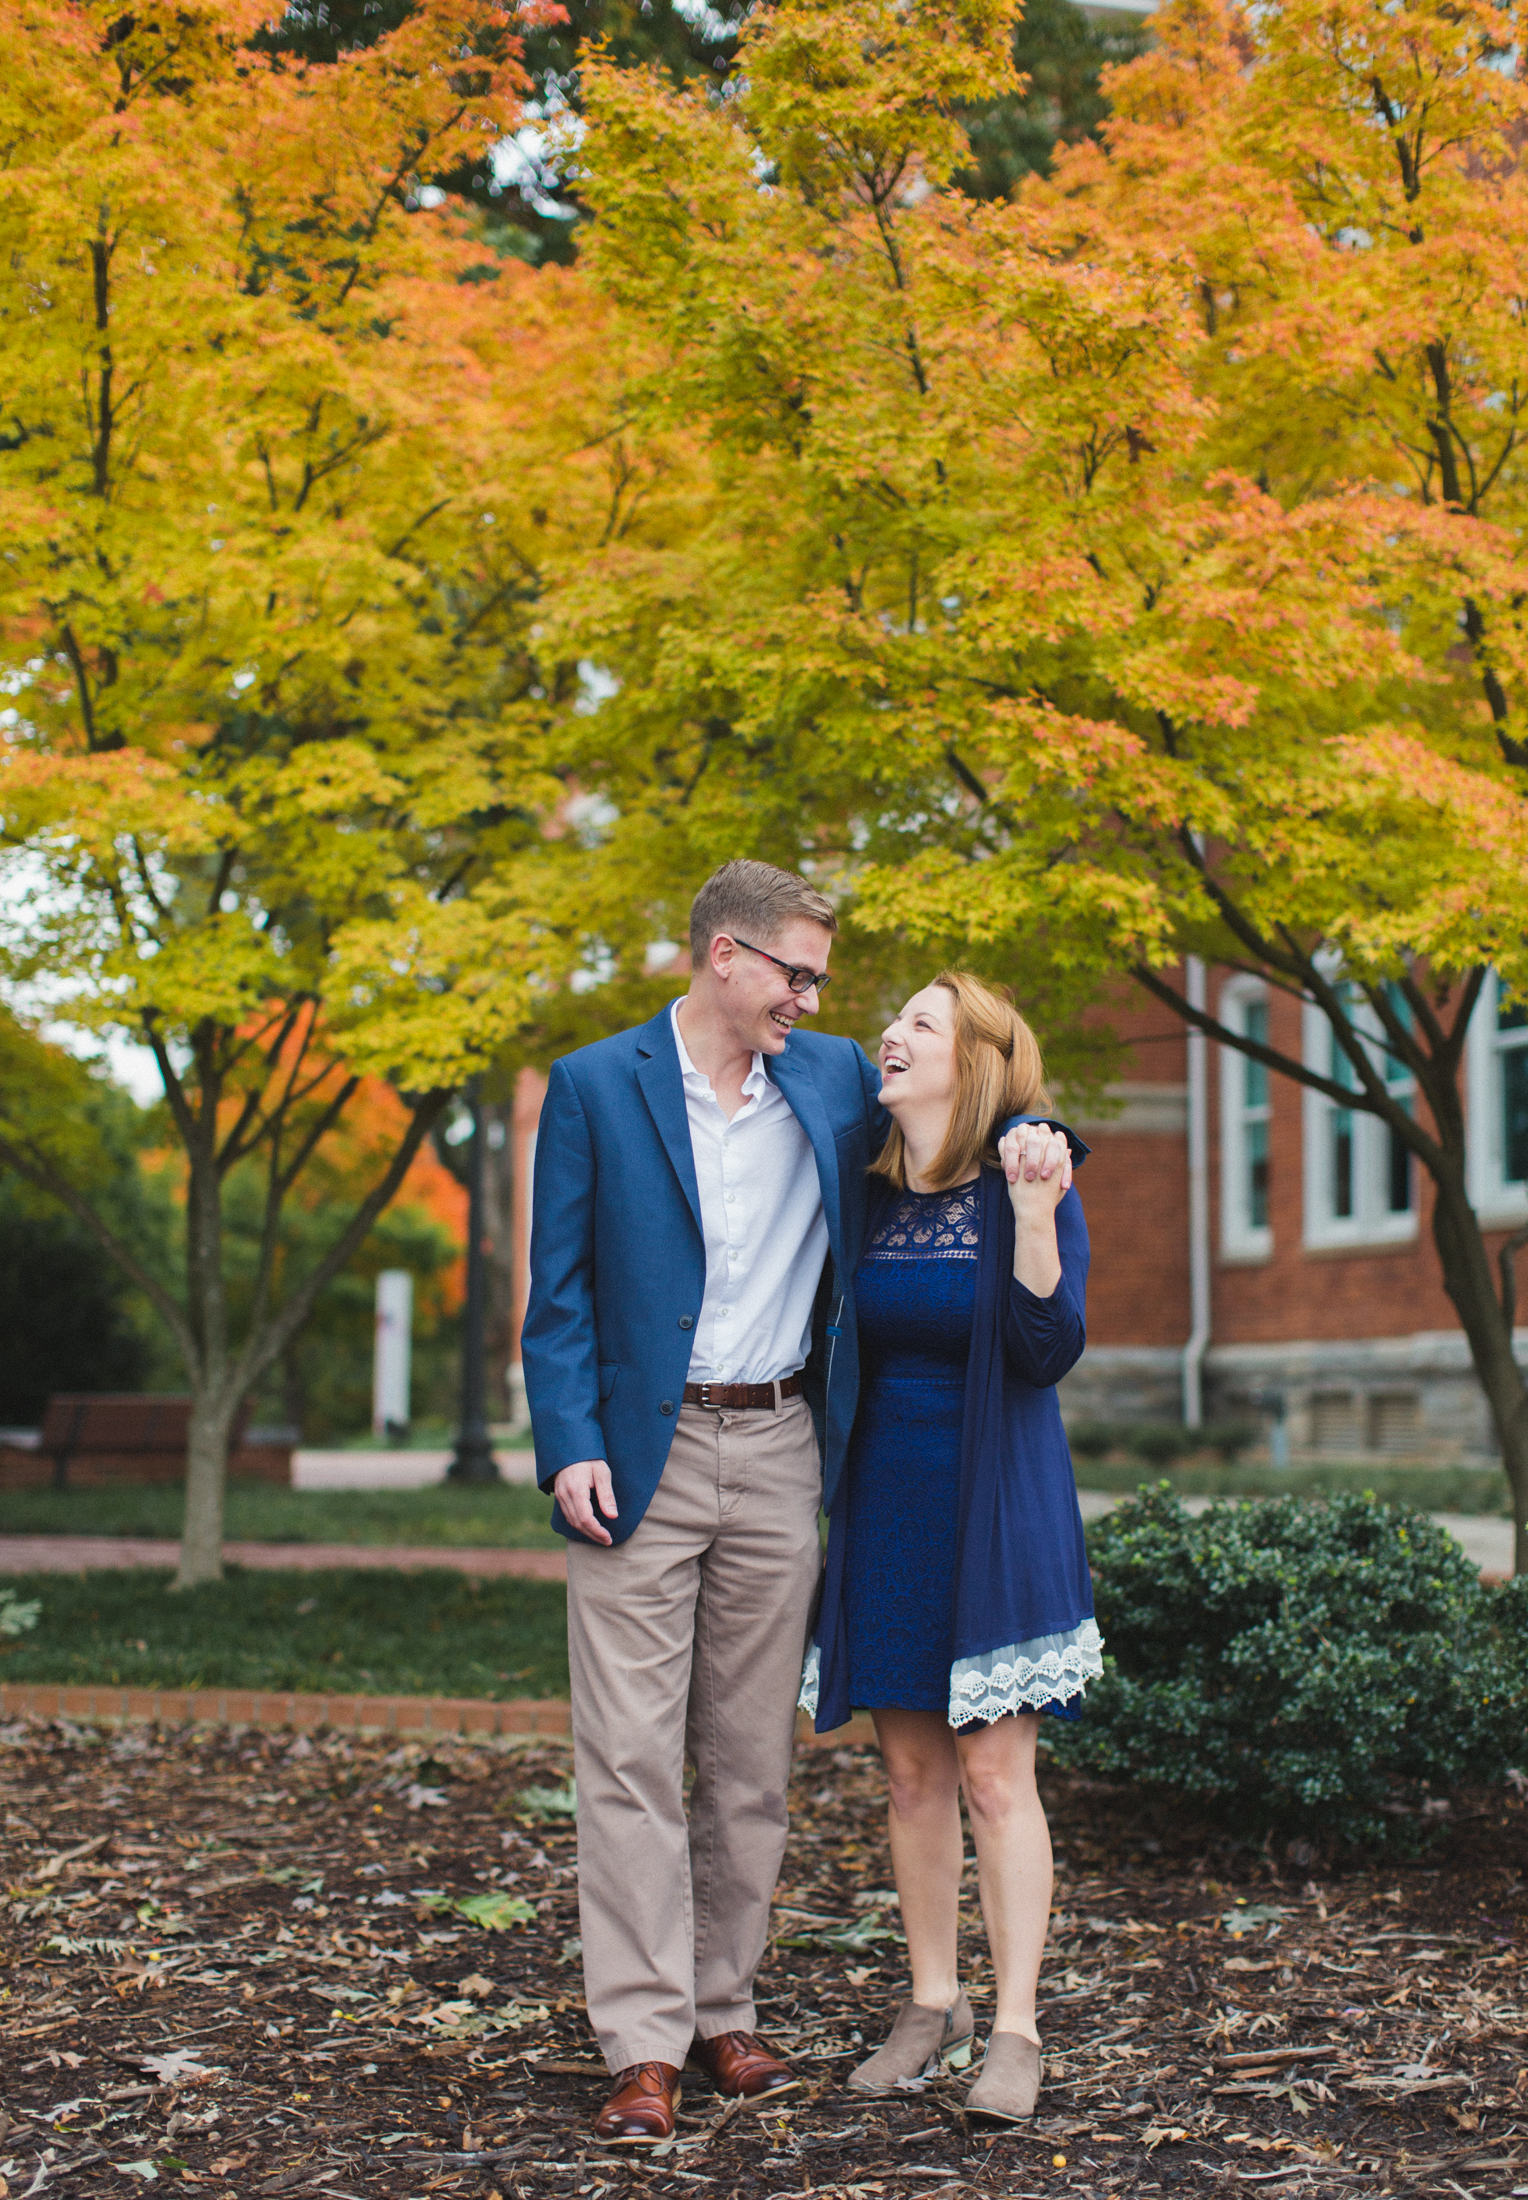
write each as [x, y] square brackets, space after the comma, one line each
[1161, 1442]
[1326, 1668]
[1229, 1438]
[1091, 1439]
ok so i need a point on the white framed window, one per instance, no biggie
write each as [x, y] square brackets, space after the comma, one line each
[1246, 1124]
[1360, 1176]
[1497, 1069]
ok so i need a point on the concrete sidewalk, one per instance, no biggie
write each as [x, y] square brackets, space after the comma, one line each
[394, 1470]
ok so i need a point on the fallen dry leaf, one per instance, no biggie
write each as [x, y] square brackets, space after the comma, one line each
[362, 2050]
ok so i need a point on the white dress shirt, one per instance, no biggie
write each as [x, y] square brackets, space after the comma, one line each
[761, 1217]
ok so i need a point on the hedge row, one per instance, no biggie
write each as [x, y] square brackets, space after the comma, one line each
[1159, 1443]
[1329, 1669]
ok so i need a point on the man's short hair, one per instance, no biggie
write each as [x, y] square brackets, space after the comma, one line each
[756, 900]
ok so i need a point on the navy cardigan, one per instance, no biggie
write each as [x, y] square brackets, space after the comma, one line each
[1021, 1565]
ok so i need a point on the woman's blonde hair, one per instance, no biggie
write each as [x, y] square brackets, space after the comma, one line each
[998, 1073]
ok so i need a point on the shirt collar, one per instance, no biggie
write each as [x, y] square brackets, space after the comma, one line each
[755, 1084]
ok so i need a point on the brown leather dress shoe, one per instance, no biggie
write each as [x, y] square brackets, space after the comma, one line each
[739, 2063]
[641, 2110]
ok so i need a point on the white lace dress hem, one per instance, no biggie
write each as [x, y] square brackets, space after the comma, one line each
[811, 1677]
[1022, 1676]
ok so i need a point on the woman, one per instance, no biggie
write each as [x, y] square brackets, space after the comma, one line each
[957, 1604]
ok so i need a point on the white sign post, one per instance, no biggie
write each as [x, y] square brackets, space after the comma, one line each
[390, 1366]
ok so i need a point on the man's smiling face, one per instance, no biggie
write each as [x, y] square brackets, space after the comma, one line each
[762, 1009]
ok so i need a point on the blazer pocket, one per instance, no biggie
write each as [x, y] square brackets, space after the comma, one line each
[609, 1369]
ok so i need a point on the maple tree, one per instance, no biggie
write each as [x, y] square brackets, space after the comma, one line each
[283, 467]
[1128, 571]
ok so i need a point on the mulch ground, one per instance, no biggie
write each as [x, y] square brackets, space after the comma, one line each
[239, 1961]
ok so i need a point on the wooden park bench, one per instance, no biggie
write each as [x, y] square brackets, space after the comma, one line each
[88, 1439]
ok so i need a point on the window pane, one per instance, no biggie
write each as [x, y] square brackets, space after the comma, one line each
[1396, 1071]
[1257, 1175]
[1399, 1175]
[1256, 1027]
[1514, 1092]
[1512, 1019]
[1342, 1071]
[1342, 1164]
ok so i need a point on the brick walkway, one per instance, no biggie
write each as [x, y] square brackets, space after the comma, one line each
[1486, 1540]
[546, 1717]
[73, 1554]
[249, 1707]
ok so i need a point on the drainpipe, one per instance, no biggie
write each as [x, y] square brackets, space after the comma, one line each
[1198, 1204]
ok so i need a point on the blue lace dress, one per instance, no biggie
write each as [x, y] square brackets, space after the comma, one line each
[915, 1292]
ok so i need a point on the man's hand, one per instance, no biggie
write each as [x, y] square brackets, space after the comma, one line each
[1038, 1165]
[573, 1487]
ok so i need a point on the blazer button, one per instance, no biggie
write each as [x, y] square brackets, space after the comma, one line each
[667, 1406]
[687, 1321]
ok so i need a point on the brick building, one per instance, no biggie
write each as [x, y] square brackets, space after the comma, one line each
[1307, 1294]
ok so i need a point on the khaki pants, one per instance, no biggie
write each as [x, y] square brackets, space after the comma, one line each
[687, 1639]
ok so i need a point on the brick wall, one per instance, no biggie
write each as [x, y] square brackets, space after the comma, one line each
[1134, 1186]
[1308, 1292]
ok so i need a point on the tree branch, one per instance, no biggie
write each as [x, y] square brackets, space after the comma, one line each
[235, 1145]
[317, 1130]
[259, 1354]
[81, 682]
[1285, 1065]
[174, 1090]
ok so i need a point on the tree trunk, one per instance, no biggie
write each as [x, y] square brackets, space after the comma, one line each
[201, 1545]
[1468, 1280]
[212, 1409]
[294, 1391]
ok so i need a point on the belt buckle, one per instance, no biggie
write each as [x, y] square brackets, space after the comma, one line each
[705, 1394]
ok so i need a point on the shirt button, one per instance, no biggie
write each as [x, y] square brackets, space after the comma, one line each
[667, 1406]
[731, 1196]
[722, 1312]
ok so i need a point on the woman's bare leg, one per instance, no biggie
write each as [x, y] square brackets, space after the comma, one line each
[923, 1784]
[1013, 1856]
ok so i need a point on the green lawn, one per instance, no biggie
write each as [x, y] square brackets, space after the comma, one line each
[1426, 1489]
[510, 1514]
[421, 1436]
[338, 1632]
[514, 1516]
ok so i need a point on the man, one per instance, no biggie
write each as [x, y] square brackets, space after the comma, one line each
[699, 1196]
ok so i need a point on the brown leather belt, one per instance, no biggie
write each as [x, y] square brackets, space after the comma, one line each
[733, 1395]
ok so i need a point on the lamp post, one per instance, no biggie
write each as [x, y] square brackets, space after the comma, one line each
[474, 1460]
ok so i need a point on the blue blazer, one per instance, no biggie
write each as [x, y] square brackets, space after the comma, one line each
[618, 1263]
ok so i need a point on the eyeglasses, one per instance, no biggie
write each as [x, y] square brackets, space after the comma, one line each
[797, 976]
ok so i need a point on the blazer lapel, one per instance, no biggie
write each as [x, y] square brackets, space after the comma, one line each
[663, 1090]
[794, 1079]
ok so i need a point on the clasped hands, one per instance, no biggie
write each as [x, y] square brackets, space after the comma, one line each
[1037, 1163]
